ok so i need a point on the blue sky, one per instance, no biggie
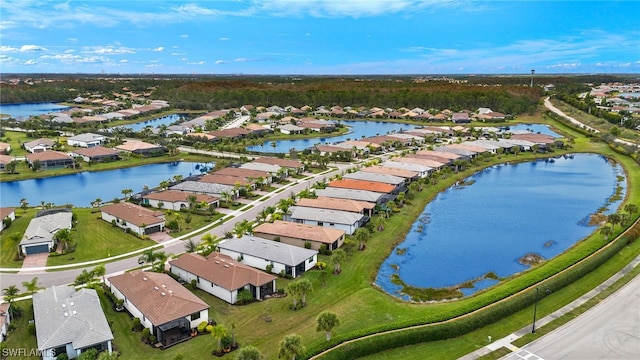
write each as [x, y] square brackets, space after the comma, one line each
[319, 37]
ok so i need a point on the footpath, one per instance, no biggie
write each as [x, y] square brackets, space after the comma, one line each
[507, 340]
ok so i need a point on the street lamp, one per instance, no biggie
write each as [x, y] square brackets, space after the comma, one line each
[535, 308]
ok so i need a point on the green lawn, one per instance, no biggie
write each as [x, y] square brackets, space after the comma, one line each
[10, 238]
[197, 221]
[16, 139]
[97, 239]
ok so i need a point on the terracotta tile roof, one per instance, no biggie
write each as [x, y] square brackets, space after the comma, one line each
[5, 211]
[47, 156]
[315, 233]
[134, 214]
[362, 185]
[133, 145]
[476, 149]
[174, 195]
[423, 162]
[95, 151]
[280, 162]
[435, 158]
[41, 141]
[225, 180]
[5, 159]
[377, 169]
[445, 155]
[336, 204]
[160, 298]
[535, 138]
[4, 146]
[330, 148]
[222, 270]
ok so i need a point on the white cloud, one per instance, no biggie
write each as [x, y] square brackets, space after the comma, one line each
[70, 58]
[124, 61]
[195, 10]
[68, 51]
[196, 63]
[27, 48]
[31, 62]
[159, 48]
[110, 50]
[8, 49]
[4, 25]
[223, 39]
[220, 62]
[184, 36]
[347, 8]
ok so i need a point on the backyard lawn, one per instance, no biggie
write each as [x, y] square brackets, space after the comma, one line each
[10, 238]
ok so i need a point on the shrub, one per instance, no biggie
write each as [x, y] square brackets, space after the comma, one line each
[194, 284]
[152, 339]
[31, 328]
[245, 297]
[209, 328]
[202, 326]
[62, 356]
[321, 265]
[137, 325]
[307, 244]
[146, 333]
[269, 268]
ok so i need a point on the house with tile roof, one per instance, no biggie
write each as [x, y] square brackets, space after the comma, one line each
[6, 212]
[86, 140]
[70, 322]
[5, 148]
[261, 176]
[291, 165]
[342, 220]
[141, 148]
[260, 252]
[50, 159]
[353, 194]
[38, 145]
[4, 160]
[39, 236]
[422, 170]
[165, 307]
[5, 320]
[323, 202]
[377, 169]
[177, 200]
[199, 187]
[138, 219]
[96, 154]
[222, 276]
[229, 180]
[362, 185]
[396, 181]
[299, 234]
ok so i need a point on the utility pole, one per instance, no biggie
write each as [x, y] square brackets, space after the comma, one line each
[532, 73]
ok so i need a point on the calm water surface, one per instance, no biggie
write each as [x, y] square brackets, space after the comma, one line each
[157, 122]
[81, 189]
[31, 109]
[509, 211]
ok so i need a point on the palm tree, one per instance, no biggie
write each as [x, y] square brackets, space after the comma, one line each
[99, 271]
[606, 231]
[192, 200]
[96, 203]
[177, 178]
[152, 257]
[10, 293]
[400, 199]
[127, 193]
[327, 320]
[338, 257]
[304, 287]
[291, 347]
[32, 286]
[614, 219]
[293, 290]
[361, 235]
[226, 197]
[249, 353]
[63, 236]
[24, 204]
[219, 332]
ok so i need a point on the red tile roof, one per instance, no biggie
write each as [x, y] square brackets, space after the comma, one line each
[280, 162]
[323, 202]
[47, 156]
[134, 214]
[225, 180]
[377, 169]
[362, 185]
[327, 235]
[173, 196]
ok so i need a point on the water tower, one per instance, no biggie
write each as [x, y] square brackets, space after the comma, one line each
[532, 72]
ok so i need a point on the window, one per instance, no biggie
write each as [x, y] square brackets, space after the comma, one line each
[320, 223]
[332, 224]
[195, 316]
[310, 260]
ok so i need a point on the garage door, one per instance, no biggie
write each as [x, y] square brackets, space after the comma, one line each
[37, 249]
[153, 229]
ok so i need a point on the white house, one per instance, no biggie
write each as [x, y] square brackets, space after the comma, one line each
[169, 310]
[86, 140]
[38, 145]
[38, 237]
[70, 321]
[6, 213]
[131, 216]
[222, 276]
[259, 253]
[342, 220]
[177, 200]
[5, 320]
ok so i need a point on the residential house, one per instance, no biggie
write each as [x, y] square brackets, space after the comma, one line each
[342, 220]
[439, 154]
[6, 213]
[260, 253]
[299, 234]
[96, 154]
[138, 219]
[50, 159]
[396, 181]
[460, 118]
[290, 129]
[86, 140]
[229, 180]
[377, 169]
[262, 176]
[222, 276]
[323, 202]
[291, 165]
[5, 148]
[5, 320]
[165, 307]
[4, 160]
[141, 148]
[363, 185]
[420, 160]
[422, 170]
[39, 235]
[352, 194]
[70, 322]
[39, 145]
[199, 187]
[177, 200]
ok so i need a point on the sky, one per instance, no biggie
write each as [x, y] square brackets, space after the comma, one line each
[319, 37]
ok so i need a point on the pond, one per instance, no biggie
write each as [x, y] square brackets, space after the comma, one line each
[533, 128]
[83, 188]
[357, 130]
[157, 122]
[25, 110]
[495, 217]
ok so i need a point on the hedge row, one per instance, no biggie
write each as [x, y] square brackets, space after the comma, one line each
[371, 344]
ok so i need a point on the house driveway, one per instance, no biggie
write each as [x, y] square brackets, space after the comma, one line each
[35, 260]
[160, 237]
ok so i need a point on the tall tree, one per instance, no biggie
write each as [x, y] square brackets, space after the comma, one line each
[293, 290]
[10, 292]
[361, 235]
[304, 287]
[327, 321]
[337, 258]
[219, 332]
[32, 286]
[291, 347]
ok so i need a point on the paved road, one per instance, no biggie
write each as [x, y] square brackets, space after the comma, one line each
[175, 246]
[237, 122]
[610, 330]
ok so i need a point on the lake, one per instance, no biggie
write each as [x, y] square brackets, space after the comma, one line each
[157, 122]
[32, 109]
[467, 231]
[82, 188]
[358, 129]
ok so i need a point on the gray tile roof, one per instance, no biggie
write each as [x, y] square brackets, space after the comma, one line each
[87, 137]
[407, 166]
[43, 228]
[361, 195]
[63, 315]
[268, 249]
[325, 215]
[383, 178]
[202, 187]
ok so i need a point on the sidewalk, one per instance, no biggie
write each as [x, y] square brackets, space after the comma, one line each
[506, 341]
